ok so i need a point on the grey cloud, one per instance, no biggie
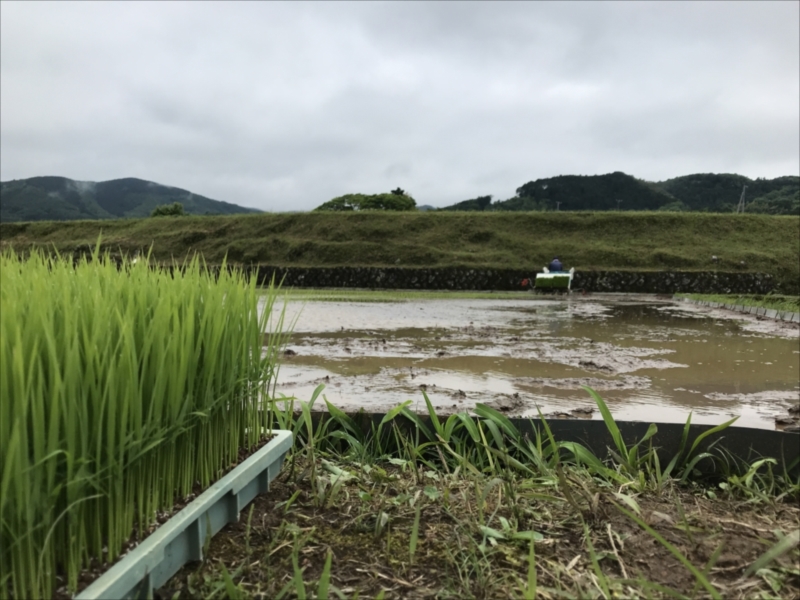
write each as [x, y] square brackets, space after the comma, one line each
[282, 106]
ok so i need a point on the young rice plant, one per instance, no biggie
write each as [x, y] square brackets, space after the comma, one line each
[122, 389]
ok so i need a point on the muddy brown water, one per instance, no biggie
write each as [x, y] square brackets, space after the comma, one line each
[651, 359]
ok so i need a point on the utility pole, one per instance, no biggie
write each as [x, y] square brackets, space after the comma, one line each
[740, 207]
[618, 202]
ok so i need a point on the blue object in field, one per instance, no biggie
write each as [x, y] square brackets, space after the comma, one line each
[555, 265]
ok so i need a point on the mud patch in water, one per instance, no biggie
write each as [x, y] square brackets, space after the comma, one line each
[652, 359]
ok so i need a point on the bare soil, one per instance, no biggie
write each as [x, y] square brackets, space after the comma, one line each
[454, 559]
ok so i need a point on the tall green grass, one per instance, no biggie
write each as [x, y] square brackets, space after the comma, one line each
[122, 388]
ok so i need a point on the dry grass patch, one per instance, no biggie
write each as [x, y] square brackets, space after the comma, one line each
[473, 538]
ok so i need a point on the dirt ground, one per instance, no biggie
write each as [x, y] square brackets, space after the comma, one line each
[366, 527]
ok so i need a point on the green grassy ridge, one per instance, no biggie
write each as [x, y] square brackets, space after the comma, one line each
[585, 240]
[776, 302]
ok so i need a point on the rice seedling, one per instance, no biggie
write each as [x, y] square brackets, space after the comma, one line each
[123, 388]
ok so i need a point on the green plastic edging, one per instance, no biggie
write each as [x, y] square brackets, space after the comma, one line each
[180, 540]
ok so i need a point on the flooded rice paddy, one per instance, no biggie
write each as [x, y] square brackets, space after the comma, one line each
[651, 359]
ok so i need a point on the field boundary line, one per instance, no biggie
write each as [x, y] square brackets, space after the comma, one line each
[759, 311]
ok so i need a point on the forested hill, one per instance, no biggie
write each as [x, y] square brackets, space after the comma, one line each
[721, 193]
[62, 199]
[700, 192]
[593, 192]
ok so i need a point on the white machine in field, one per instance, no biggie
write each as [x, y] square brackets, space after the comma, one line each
[559, 280]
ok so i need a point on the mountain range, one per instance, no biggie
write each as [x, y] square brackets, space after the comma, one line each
[62, 199]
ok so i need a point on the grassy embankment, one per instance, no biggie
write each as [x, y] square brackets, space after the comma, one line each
[776, 301]
[526, 241]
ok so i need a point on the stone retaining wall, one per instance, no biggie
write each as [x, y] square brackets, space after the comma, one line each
[666, 282]
[459, 278]
[769, 313]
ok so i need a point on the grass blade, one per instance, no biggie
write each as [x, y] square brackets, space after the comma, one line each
[781, 547]
[415, 418]
[325, 578]
[412, 545]
[497, 418]
[530, 588]
[601, 577]
[674, 551]
[711, 431]
[611, 425]
[433, 416]
[677, 458]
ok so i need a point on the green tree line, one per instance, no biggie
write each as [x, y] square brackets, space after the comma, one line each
[395, 200]
[619, 191]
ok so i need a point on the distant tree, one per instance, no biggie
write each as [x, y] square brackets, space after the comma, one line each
[524, 204]
[399, 192]
[168, 210]
[785, 201]
[390, 201]
[676, 206]
[480, 203]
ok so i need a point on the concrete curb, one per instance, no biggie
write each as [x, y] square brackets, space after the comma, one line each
[769, 313]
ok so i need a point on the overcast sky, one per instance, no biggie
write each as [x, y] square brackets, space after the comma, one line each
[282, 106]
